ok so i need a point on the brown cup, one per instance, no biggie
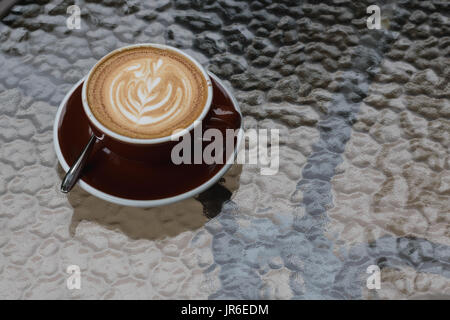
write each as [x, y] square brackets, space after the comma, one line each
[156, 150]
[114, 178]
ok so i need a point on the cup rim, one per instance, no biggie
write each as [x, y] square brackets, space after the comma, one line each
[93, 120]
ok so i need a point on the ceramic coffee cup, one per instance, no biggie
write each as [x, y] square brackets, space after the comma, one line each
[114, 178]
[156, 149]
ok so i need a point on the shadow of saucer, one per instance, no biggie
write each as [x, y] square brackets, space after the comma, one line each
[154, 223]
[214, 198]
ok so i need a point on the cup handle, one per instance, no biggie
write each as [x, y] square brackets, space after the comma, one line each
[74, 172]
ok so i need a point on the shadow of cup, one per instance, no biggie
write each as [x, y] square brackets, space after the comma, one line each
[157, 222]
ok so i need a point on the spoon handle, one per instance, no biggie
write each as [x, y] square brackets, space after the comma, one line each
[74, 172]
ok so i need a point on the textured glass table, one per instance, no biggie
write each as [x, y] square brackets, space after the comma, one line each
[364, 176]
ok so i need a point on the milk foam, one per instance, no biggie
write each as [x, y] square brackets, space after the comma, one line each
[146, 92]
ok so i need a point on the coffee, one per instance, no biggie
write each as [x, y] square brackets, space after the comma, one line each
[146, 92]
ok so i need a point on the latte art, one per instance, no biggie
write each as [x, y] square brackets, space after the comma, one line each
[146, 92]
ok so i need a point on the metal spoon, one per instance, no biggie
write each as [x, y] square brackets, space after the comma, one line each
[74, 172]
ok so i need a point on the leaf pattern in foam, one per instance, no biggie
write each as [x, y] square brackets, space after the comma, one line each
[136, 93]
